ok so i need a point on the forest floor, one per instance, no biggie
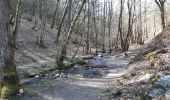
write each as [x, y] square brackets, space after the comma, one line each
[83, 83]
[105, 77]
[80, 83]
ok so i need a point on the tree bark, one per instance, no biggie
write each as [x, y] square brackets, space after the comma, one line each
[61, 58]
[109, 25]
[88, 30]
[10, 82]
[60, 25]
[120, 24]
[55, 14]
[161, 5]
[16, 20]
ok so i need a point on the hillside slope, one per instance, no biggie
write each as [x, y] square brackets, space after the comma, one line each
[149, 72]
[29, 56]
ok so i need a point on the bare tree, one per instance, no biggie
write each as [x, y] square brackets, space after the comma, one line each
[55, 14]
[110, 15]
[161, 5]
[104, 27]
[16, 21]
[43, 10]
[131, 7]
[120, 25]
[10, 81]
[94, 3]
[60, 25]
[88, 29]
[62, 56]
[140, 26]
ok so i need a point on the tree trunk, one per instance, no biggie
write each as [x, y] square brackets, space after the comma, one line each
[140, 33]
[161, 5]
[104, 27]
[109, 25]
[95, 27]
[15, 27]
[55, 14]
[88, 30]
[163, 16]
[120, 24]
[69, 15]
[10, 82]
[42, 15]
[61, 58]
[60, 25]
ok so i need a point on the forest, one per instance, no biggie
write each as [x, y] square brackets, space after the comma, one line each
[84, 49]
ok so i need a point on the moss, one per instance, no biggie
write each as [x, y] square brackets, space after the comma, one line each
[67, 63]
[119, 82]
[133, 74]
[10, 85]
[152, 80]
[125, 77]
[31, 93]
[40, 70]
[151, 57]
[8, 90]
[118, 92]
[60, 65]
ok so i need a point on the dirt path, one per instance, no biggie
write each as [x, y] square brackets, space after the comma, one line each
[76, 87]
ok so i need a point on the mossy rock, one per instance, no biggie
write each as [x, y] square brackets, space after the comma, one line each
[40, 70]
[69, 63]
[10, 85]
[60, 65]
[152, 80]
[117, 91]
[78, 61]
[87, 57]
[155, 53]
[152, 57]
[8, 90]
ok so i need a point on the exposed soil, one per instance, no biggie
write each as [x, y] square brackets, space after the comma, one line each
[92, 81]
[74, 85]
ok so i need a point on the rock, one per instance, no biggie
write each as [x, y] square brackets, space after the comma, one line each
[154, 92]
[37, 76]
[164, 82]
[167, 95]
[21, 91]
[160, 88]
[79, 61]
[57, 76]
[102, 54]
[24, 81]
[31, 75]
[46, 75]
[77, 66]
[94, 73]
[63, 76]
[144, 78]
[160, 75]
[86, 57]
